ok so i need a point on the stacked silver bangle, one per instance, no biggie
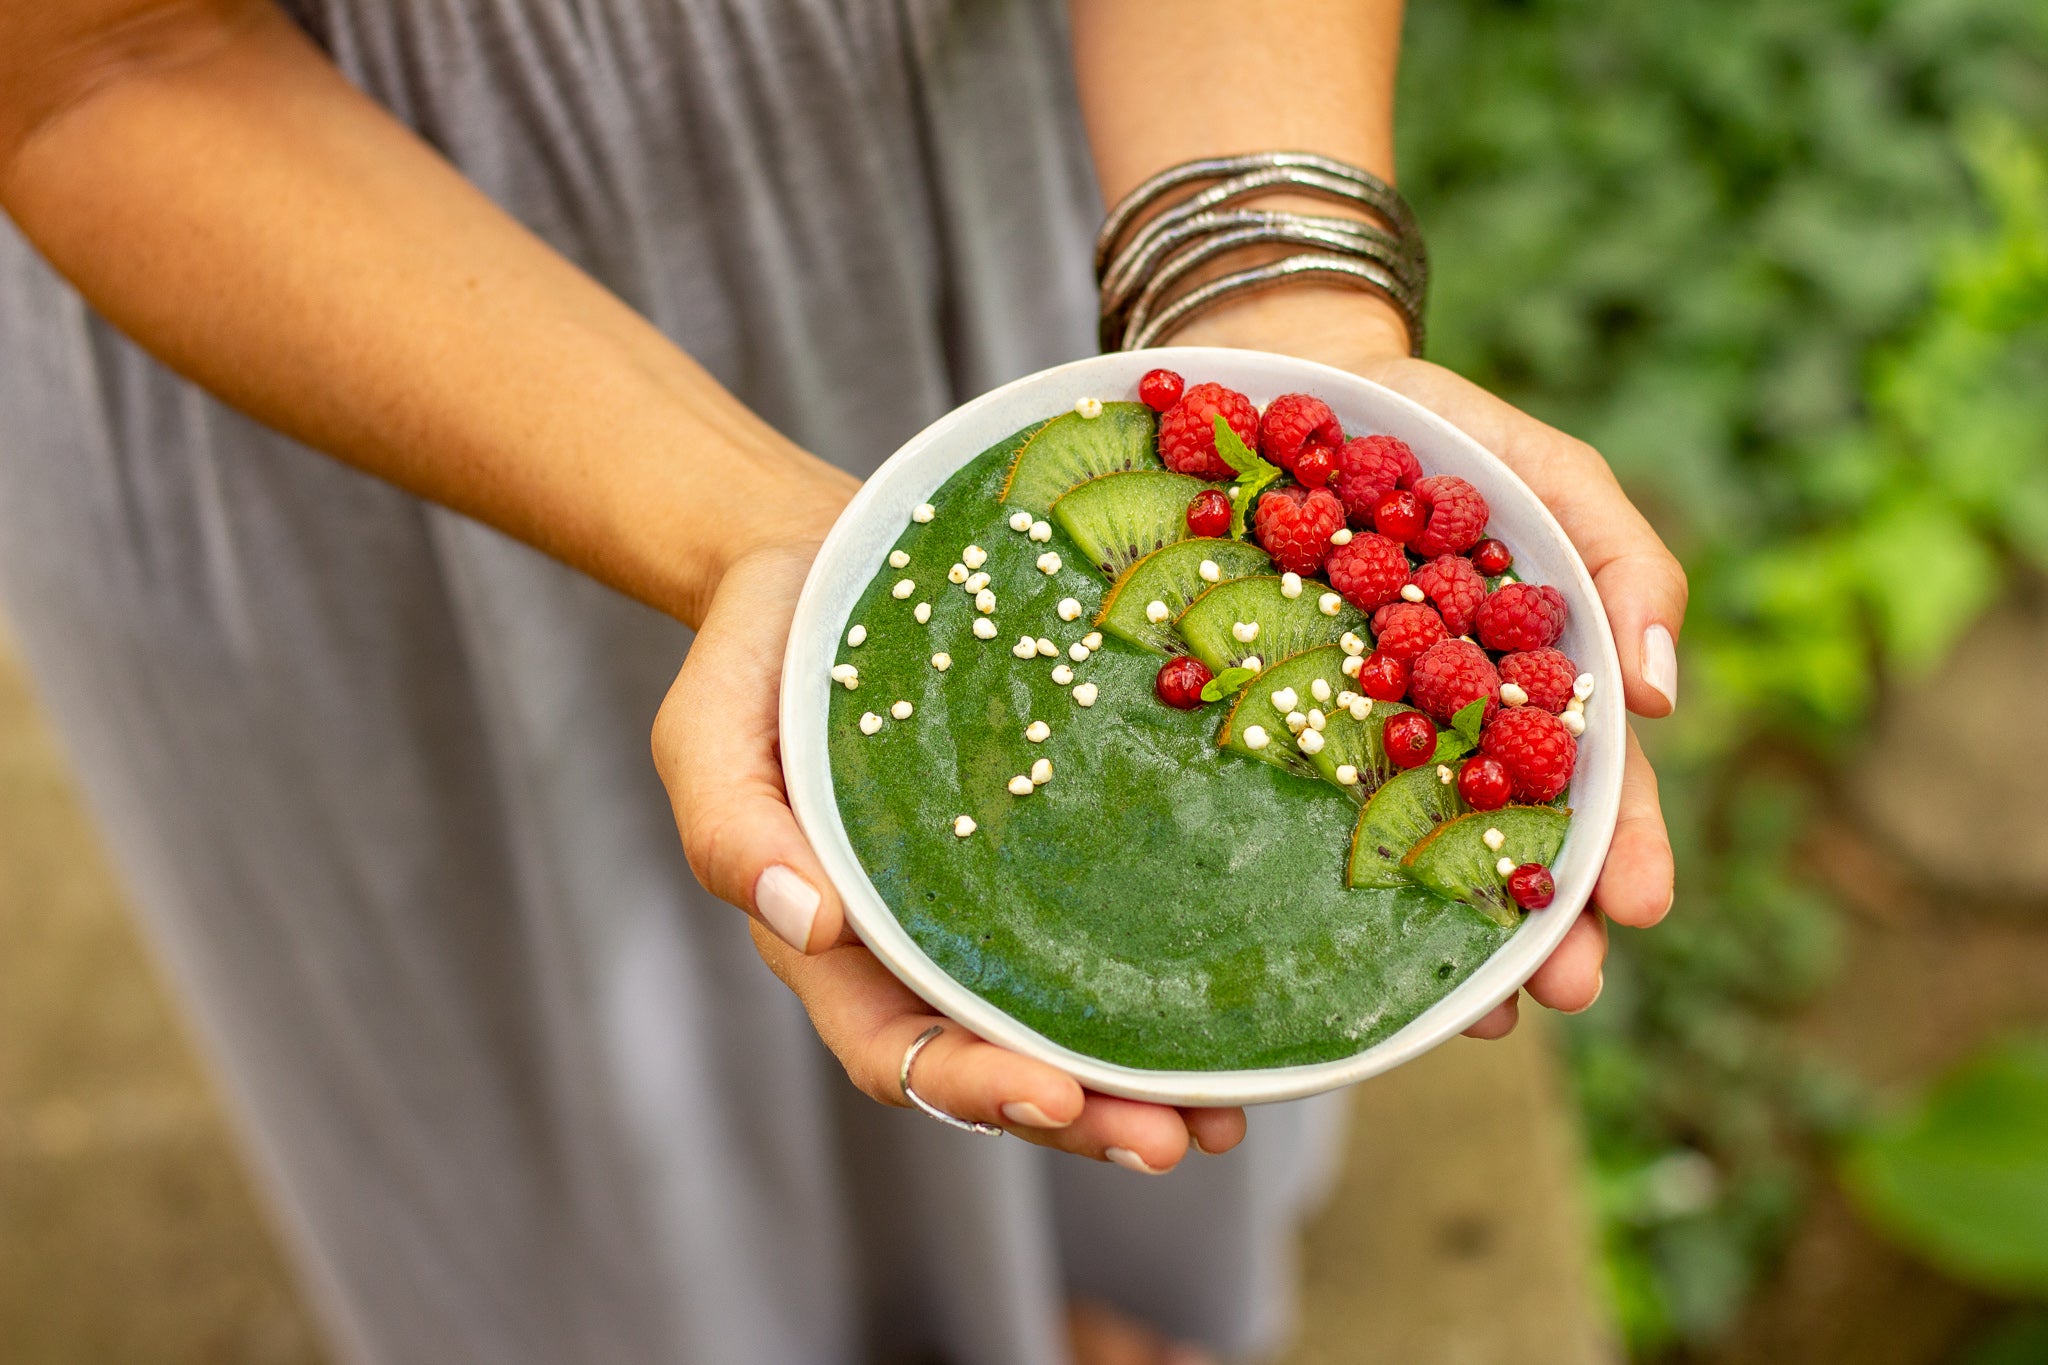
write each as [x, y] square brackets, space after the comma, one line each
[1146, 275]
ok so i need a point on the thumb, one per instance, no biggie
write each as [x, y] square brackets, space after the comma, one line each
[715, 745]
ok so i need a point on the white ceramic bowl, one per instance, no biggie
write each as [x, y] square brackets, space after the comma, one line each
[854, 552]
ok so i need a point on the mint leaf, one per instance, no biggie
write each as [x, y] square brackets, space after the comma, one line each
[1253, 474]
[1226, 683]
[1468, 720]
[1463, 736]
[1450, 747]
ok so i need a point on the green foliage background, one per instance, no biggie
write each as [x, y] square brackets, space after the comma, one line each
[1786, 265]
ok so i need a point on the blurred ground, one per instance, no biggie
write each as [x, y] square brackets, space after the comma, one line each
[1458, 1233]
[128, 1232]
[1935, 852]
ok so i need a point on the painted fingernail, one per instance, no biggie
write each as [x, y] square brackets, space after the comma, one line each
[788, 903]
[1130, 1161]
[1029, 1115]
[1660, 663]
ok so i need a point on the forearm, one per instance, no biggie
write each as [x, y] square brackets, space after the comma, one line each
[268, 231]
[1200, 78]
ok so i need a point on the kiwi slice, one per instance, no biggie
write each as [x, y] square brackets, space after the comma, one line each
[1286, 625]
[1405, 809]
[1072, 449]
[1357, 743]
[1454, 859]
[1172, 575]
[1261, 706]
[1118, 519]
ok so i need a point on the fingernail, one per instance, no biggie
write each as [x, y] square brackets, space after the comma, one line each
[1130, 1161]
[1599, 985]
[788, 903]
[1029, 1114]
[1660, 663]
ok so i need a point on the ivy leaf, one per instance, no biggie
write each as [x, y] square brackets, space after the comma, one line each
[1962, 1179]
[1226, 683]
[1253, 474]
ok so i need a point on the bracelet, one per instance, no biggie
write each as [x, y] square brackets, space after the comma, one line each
[1139, 270]
[1143, 332]
[1177, 252]
[1258, 181]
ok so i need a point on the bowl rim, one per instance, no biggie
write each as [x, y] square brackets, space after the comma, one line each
[852, 553]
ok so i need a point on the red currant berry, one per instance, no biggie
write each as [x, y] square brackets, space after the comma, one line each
[1400, 515]
[1491, 558]
[1180, 682]
[1383, 677]
[1532, 886]
[1209, 513]
[1160, 389]
[1409, 738]
[1484, 783]
[1313, 466]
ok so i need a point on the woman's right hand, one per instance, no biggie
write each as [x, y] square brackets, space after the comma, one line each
[716, 745]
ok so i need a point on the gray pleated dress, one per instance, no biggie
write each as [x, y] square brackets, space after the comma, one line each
[518, 1089]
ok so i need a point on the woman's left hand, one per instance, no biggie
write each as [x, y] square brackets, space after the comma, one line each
[1640, 583]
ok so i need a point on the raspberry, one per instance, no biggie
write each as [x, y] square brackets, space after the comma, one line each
[1295, 526]
[1491, 557]
[1409, 739]
[1532, 886]
[1457, 516]
[1535, 748]
[1521, 616]
[1383, 677]
[1369, 468]
[1312, 467]
[1180, 682]
[1545, 674]
[1484, 783]
[1404, 629]
[1187, 430]
[1454, 587]
[1293, 423]
[1399, 515]
[1209, 513]
[1160, 389]
[1451, 675]
[1383, 460]
[1369, 571]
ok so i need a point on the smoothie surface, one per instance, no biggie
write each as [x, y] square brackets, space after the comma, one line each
[1159, 903]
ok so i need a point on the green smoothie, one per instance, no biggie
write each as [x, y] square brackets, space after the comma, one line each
[1159, 901]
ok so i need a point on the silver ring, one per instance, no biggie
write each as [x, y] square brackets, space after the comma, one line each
[903, 1075]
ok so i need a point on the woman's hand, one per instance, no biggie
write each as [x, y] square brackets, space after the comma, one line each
[1640, 583]
[715, 743]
